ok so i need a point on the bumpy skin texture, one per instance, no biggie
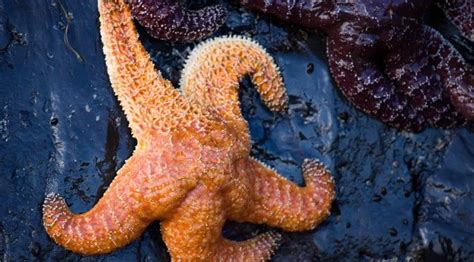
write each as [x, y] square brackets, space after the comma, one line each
[386, 62]
[191, 168]
[169, 20]
[461, 14]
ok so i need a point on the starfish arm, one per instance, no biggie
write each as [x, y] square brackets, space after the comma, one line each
[410, 67]
[194, 232]
[460, 12]
[147, 98]
[121, 214]
[278, 202]
[169, 20]
[213, 71]
[457, 78]
[308, 13]
[352, 61]
[259, 248]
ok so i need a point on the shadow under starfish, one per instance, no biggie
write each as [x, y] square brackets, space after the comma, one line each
[191, 168]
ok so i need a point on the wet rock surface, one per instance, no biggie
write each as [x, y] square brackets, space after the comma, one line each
[399, 195]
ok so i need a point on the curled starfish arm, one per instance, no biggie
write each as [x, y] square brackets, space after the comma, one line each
[351, 54]
[146, 97]
[120, 216]
[460, 12]
[457, 78]
[278, 202]
[169, 20]
[214, 69]
[194, 232]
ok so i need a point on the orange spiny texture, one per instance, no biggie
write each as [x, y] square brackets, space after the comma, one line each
[191, 168]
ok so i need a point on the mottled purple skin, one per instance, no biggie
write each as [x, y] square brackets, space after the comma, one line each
[454, 73]
[169, 20]
[461, 14]
[386, 62]
[412, 69]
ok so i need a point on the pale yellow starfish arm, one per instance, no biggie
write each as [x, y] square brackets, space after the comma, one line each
[194, 232]
[211, 76]
[278, 202]
[147, 98]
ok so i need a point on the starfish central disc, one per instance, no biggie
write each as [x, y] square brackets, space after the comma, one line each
[191, 168]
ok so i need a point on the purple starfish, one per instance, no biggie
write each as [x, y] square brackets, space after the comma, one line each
[169, 20]
[386, 61]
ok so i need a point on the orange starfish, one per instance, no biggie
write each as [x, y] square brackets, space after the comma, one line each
[191, 168]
